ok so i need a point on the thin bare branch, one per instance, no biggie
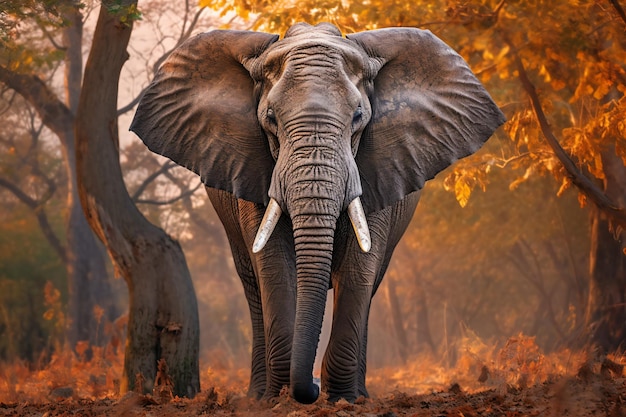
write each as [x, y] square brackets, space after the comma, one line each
[37, 208]
[130, 105]
[30, 202]
[533, 273]
[171, 200]
[150, 179]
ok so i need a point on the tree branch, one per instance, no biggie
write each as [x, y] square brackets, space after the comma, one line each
[618, 8]
[42, 218]
[19, 194]
[616, 214]
[150, 179]
[53, 112]
[535, 276]
[171, 200]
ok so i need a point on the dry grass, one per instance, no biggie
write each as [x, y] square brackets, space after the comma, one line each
[479, 367]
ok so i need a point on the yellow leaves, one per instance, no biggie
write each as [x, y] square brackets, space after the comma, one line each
[462, 192]
[26, 58]
[455, 182]
[603, 88]
[605, 130]
[466, 176]
[597, 80]
[582, 199]
[52, 300]
[565, 184]
[516, 183]
[543, 71]
[523, 129]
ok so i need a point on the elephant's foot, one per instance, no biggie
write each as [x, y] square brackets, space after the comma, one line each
[271, 394]
[343, 388]
[349, 397]
[256, 392]
[257, 385]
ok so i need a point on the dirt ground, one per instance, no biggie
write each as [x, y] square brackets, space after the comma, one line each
[589, 393]
[513, 380]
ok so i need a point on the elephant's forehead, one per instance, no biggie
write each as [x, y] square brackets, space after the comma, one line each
[315, 48]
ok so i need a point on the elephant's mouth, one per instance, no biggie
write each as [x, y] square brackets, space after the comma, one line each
[273, 213]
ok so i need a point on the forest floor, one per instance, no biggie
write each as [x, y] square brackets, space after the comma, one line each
[596, 396]
[515, 380]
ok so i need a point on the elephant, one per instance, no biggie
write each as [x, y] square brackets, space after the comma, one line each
[313, 149]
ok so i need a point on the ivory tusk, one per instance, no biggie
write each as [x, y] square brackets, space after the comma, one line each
[359, 223]
[270, 219]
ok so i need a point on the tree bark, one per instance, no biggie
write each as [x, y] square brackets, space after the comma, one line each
[89, 283]
[163, 315]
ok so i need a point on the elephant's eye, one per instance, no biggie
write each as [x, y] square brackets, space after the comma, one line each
[358, 115]
[271, 117]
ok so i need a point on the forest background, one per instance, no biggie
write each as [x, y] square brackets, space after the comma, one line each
[523, 238]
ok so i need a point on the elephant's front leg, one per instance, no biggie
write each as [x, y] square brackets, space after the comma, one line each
[274, 267]
[227, 208]
[354, 277]
[258, 371]
[341, 365]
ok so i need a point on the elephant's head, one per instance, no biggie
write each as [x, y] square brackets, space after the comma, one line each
[313, 125]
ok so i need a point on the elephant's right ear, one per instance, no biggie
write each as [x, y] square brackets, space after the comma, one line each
[200, 111]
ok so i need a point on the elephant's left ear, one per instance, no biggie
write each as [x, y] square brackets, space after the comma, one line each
[428, 110]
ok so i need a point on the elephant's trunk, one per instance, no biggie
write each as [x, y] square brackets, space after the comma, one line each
[314, 185]
[314, 247]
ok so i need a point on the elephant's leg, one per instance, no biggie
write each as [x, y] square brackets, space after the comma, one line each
[277, 282]
[361, 388]
[274, 267]
[258, 371]
[227, 209]
[342, 367]
[356, 278]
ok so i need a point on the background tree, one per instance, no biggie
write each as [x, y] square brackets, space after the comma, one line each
[168, 327]
[163, 314]
[571, 124]
[36, 38]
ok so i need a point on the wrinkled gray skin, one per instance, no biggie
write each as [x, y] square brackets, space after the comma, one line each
[313, 121]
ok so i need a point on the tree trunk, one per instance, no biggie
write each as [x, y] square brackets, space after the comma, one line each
[606, 309]
[424, 336]
[163, 315]
[91, 300]
[396, 317]
[88, 281]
